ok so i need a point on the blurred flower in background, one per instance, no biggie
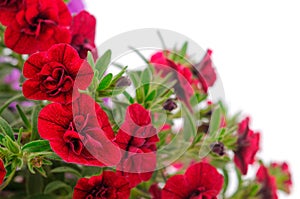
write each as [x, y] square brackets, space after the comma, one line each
[76, 6]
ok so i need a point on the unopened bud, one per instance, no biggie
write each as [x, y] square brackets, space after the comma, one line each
[123, 82]
[169, 105]
[218, 148]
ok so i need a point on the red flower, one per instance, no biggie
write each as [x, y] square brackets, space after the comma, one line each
[52, 75]
[155, 191]
[2, 172]
[137, 138]
[269, 189]
[183, 88]
[206, 72]
[79, 133]
[109, 185]
[83, 33]
[38, 25]
[283, 176]
[247, 146]
[8, 10]
[201, 180]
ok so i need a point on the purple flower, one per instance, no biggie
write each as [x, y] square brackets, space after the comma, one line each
[76, 6]
[13, 79]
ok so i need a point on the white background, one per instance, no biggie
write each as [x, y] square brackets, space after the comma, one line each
[256, 50]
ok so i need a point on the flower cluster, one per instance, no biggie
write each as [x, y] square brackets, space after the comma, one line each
[78, 131]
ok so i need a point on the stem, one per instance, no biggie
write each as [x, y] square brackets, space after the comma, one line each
[240, 182]
[226, 180]
[7, 103]
[141, 193]
[7, 181]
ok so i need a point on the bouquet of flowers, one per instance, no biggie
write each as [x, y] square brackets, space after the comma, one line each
[71, 127]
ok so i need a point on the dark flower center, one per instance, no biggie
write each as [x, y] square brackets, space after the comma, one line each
[58, 81]
[74, 140]
[82, 45]
[196, 193]
[7, 2]
[101, 192]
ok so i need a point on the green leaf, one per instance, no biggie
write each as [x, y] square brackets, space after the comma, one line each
[34, 120]
[183, 50]
[23, 116]
[55, 185]
[151, 96]
[119, 75]
[6, 129]
[135, 78]
[105, 82]
[90, 59]
[36, 146]
[189, 127]
[9, 101]
[128, 97]
[42, 196]
[139, 54]
[66, 169]
[215, 121]
[103, 63]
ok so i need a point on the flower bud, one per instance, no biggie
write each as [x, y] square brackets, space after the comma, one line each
[218, 148]
[123, 82]
[169, 105]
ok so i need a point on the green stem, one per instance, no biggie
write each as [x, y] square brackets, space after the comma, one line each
[226, 181]
[141, 193]
[9, 101]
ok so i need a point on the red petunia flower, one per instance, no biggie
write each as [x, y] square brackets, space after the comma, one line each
[8, 10]
[283, 176]
[56, 75]
[201, 180]
[80, 133]
[2, 172]
[155, 191]
[247, 146]
[137, 138]
[206, 72]
[83, 30]
[183, 88]
[108, 185]
[38, 25]
[269, 189]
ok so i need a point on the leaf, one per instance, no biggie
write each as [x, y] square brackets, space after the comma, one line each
[105, 82]
[183, 50]
[37, 146]
[128, 97]
[151, 96]
[215, 121]
[90, 59]
[117, 76]
[103, 63]
[34, 120]
[6, 129]
[66, 169]
[42, 196]
[11, 145]
[9, 101]
[23, 117]
[135, 78]
[189, 128]
[55, 185]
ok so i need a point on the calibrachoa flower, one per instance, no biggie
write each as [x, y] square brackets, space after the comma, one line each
[109, 185]
[183, 74]
[79, 133]
[200, 180]
[8, 10]
[283, 176]
[83, 33]
[268, 182]
[206, 72]
[155, 191]
[75, 6]
[52, 75]
[137, 138]
[247, 146]
[2, 172]
[38, 25]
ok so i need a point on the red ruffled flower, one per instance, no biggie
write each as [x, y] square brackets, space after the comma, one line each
[52, 75]
[268, 182]
[201, 180]
[38, 25]
[79, 133]
[2, 172]
[8, 10]
[155, 191]
[247, 146]
[137, 138]
[109, 185]
[183, 88]
[206, 72]
[83, 30]
[283, 176]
